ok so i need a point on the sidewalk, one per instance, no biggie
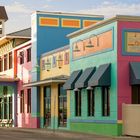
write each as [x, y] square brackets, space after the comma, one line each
[65, 134]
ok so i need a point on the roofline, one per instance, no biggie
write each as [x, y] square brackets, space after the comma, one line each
[69, 14]
[55, 51]
[28, 43]
[104, 22]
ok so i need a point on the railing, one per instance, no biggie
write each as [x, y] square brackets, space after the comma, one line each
[131, 119]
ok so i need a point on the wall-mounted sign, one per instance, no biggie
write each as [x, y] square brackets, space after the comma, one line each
[93, 45]
[132, 42]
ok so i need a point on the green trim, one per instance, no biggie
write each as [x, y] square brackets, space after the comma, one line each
[102, 129]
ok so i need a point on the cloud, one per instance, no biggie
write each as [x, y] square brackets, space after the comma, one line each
[47, 7]
[109, 9]
[18, 7]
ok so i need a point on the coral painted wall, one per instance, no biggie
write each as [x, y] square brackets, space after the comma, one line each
[124, 89]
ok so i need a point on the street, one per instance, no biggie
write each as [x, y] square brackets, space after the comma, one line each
[43, 134]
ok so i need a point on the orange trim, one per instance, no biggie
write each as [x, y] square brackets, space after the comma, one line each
[15, 63]
[46, 21]
[72, 23]
[87, 23]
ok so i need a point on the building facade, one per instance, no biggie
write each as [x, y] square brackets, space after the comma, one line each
[54, 101]
[101, 61]
[8, 76]
[49, 30]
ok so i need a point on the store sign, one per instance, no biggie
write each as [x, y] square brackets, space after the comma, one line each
[133, 42]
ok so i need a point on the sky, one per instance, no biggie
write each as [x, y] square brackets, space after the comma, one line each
[19, 11]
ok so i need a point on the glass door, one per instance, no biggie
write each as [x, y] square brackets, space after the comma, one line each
[47, 106]
[62, 107]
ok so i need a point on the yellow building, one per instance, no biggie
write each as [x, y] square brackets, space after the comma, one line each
[54, 101]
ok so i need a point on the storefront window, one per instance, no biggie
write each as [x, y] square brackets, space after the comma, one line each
[5, 104]
[47, 105]
[28, 100]
[90, 97]
[135, 95]
[62, 103]
[5, 108]
[22, 101]
[78, 103]
[1, 108]
[105, 101]
[10, 107]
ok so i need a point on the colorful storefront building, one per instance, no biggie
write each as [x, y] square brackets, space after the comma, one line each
[49, 30]
[105, 69]
[8, 76]
[54, 101]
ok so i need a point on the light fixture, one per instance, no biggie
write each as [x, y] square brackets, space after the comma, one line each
[48, 65]
[90, 45]
[60, 61]
[89, 88]
[76, 48]
[76, 89]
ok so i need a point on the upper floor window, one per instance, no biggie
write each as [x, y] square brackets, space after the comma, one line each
[43, 64]
[66, 58]
[5, 62]
[1, 64]
[10, 60]
[54, 64]
[29, 55]
[21, 54]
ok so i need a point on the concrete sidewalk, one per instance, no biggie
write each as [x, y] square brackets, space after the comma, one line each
[65, 134]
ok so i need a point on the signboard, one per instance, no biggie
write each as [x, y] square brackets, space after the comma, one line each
[132, 42]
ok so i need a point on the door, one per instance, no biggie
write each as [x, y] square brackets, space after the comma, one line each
[136, 94]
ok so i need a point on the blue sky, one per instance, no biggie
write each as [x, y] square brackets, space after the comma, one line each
[19, 11]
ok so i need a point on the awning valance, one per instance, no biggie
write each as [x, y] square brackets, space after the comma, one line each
[57, 79]
[102, 76]
[134, 73]
[85, 76]
[71, 81]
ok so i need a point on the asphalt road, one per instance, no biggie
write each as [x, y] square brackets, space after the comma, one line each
[38, 134]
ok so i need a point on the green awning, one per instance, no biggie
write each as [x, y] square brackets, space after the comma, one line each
[134, 73]
[102, 76]
[85, 76]
[69, 85]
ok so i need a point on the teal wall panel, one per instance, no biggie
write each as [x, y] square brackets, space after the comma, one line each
[110, 56]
